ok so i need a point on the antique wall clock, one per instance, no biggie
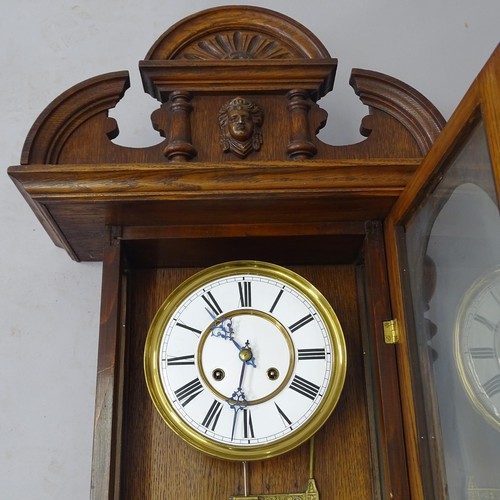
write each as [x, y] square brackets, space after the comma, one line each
[239, 175]
[259, 352]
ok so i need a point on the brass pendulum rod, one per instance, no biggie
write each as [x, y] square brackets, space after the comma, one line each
[245, 480]
[311, 458]
[311, 492]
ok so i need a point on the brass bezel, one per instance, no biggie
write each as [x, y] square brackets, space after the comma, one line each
[472, 292]
[260, 451]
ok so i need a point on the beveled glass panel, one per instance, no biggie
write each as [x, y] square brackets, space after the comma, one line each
[453, 257]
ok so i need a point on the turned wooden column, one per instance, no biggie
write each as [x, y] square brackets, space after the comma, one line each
[179, 147]
[300, 146]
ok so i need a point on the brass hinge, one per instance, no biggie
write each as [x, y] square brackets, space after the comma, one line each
[391, 331]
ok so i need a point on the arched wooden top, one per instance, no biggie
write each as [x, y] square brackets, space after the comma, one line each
[79, 182]
[237, 32]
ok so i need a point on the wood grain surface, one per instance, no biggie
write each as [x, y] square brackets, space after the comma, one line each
[158, 464]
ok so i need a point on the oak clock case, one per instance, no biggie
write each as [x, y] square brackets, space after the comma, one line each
[245, 360]
[205, 194]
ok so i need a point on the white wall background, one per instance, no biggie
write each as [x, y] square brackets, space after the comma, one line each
[49, 305]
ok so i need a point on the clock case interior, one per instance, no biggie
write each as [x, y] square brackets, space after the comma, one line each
[156, 215]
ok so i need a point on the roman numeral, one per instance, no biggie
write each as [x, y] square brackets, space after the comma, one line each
[181, 360]
[190, 328]
[212, 304]
[482, 352]
[312, 353]
[245, 289]
[283, 416]
[304, 387]
[213, 414]
[188, 392]
[492, 387]
[247, 424]
[486, 322]
[275, 303]
[299, 324]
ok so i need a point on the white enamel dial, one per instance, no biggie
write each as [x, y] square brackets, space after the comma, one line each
[245, 360]
[478, 345]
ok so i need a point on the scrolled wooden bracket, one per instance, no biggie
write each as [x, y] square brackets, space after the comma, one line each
[402, 102]
[88, 101]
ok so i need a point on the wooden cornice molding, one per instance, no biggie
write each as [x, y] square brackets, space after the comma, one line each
[194, 181]
[77, 203]
[161, 78]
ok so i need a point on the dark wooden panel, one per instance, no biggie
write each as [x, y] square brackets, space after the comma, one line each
[157, 464]
[179, 252]
[383, 365]
[110, 369]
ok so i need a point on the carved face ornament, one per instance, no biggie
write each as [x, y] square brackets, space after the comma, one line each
[240, 121]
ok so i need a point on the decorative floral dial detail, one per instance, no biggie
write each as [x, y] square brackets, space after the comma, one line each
[245, 360]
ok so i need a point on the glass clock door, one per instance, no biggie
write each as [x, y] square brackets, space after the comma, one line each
[448, 259]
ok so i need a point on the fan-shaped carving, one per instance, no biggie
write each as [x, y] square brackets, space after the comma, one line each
[237, 45]
[233, 32]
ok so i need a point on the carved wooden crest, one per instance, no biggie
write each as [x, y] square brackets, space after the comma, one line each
[194, 70]
[237, 33]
